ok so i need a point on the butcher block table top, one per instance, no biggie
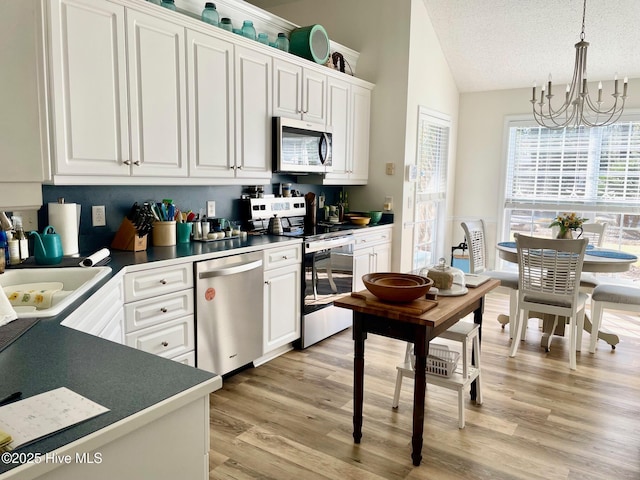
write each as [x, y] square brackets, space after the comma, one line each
[439, 317]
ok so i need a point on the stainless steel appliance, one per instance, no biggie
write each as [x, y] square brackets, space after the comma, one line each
[229, 310]
[328, 274]
[301, 147]
[328, 263]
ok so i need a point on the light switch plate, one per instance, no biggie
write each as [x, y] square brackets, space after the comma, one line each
[390, 168]
[98, 216]
[211, 208]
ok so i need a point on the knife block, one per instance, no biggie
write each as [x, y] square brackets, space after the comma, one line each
[127, 238]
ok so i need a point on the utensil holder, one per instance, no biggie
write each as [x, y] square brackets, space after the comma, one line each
[127, 238]
[164, 234]
[183, 232]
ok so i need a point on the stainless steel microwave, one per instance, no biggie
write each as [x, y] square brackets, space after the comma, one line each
[301, 147]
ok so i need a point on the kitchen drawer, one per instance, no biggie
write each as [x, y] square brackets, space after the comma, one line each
[157, 281]
[168, 340]
[188, 358]
[152, 311]
[375, 237]
[282, 256]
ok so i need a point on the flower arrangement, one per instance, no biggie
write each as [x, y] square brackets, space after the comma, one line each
[567, 222]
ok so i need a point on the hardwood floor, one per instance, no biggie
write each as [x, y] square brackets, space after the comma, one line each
[292, 417]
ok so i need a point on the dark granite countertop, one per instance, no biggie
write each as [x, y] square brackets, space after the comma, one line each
[121, 378]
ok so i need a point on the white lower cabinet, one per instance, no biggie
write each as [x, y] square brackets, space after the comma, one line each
[371, 253]
[159, 312]
[282, 296]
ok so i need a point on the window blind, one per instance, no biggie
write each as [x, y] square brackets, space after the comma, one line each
[574, 168]
[433, 148]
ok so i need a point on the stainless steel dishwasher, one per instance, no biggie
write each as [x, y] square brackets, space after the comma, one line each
[229, 311]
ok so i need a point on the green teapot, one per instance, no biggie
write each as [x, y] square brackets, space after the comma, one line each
[47, 247]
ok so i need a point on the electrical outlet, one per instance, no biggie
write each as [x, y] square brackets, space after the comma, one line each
[98, 216]
[211, 208]
[391, 168]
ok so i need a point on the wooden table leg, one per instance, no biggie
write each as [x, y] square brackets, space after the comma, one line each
[477, 319]
[358, 375]
[421, 350]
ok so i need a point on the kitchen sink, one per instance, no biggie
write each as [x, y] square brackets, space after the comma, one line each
[75, 282]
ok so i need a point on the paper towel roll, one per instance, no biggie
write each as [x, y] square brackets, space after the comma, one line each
[65, 218]
[97, 257]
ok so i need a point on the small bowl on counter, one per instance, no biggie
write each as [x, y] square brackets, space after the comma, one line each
[360, 221]
[376, 216]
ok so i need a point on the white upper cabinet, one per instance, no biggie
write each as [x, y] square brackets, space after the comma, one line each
[349, 110]
[338, 119]
[90, 104]
[122, 92]
[253, 113]
[211, 106]
[359, 132]
[299, 92]
[157, 85]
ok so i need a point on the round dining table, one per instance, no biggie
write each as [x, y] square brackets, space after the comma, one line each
[596, 260]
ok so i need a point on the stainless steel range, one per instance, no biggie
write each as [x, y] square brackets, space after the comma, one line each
[328, 263]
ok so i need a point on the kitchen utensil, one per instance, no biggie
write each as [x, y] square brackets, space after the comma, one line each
[415, 307]
[275, 226]
[47, 247]
[164, 234]
[310, 216]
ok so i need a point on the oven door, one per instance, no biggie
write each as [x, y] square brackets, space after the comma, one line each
[328, 274]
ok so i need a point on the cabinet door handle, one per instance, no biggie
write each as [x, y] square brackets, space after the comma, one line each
[267, 282]
[240, 167]
[163, 281]
[137, 163]
[284, 257]
[164, 310]
[127, 162]
[165, 344]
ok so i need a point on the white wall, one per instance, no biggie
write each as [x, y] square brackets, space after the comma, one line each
[480, 154]
[400, 53]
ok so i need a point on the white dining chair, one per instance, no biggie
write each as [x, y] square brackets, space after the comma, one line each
[615, 297]
[549, 282]
[474, 232]
[594, 232]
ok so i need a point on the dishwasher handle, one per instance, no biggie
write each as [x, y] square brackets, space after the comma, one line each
[230, 270]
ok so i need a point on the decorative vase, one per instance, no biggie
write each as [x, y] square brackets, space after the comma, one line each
[565, 234]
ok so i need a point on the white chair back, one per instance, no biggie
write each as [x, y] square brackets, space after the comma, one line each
[549, 269]
[594, 232]
[474, 233]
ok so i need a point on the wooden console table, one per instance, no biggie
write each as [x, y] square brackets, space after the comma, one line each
[398, 324]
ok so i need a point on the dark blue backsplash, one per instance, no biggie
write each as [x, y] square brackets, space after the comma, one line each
[118, 200]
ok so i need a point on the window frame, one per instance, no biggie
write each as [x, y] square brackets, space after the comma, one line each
[514, 121]
[443, 120]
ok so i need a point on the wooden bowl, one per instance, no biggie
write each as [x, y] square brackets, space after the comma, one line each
[397, 287]
[360, 220]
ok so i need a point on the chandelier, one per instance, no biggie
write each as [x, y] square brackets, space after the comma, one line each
[578, 107]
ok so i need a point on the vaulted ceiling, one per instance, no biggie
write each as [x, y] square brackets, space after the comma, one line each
[498, 44]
